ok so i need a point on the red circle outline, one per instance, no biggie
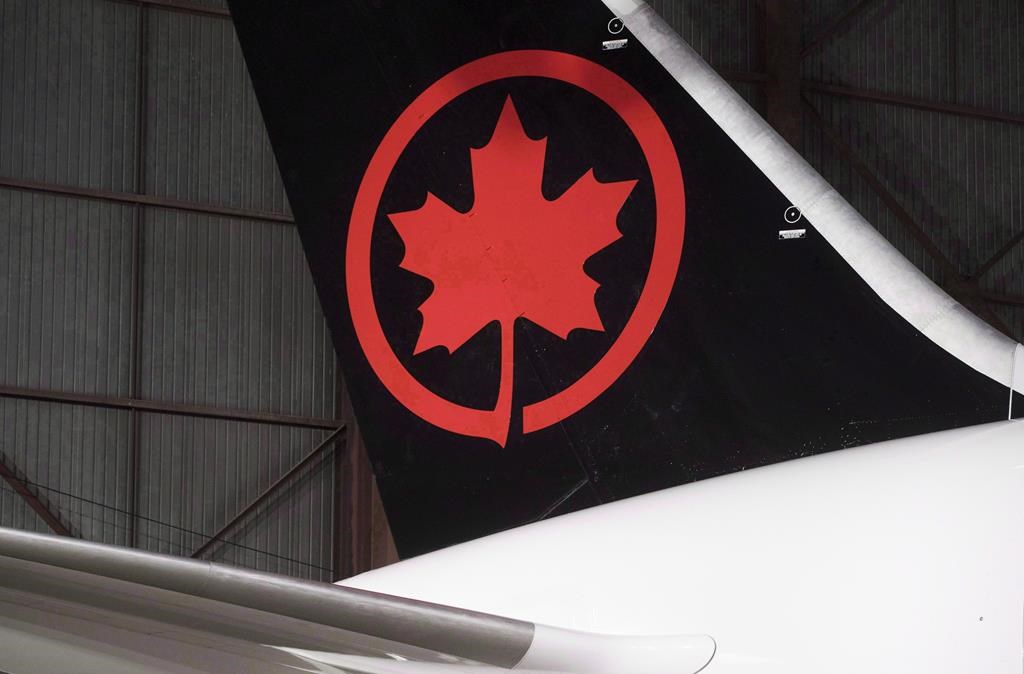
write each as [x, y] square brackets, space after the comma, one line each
[670, 208]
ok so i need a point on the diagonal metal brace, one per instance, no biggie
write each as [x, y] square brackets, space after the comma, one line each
[33, 501]
[269, 491]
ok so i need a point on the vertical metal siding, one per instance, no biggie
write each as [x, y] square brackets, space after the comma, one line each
[991, 54]
[896, 47]
[197, 473]
[205, 141]
[751, 93]
[301, 525]
[871, 131]
[816, 15]
[16, 514]
[75, 458]
[952, 50]
[67, 92]
[726, 34]
[65, 293]
[229, 314]
[231, 318]
[960, 177]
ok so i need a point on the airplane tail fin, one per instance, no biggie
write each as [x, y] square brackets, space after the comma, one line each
[564, 263]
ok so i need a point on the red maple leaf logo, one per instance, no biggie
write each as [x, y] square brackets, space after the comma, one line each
[514, 255]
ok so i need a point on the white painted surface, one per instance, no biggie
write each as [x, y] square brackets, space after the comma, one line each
[905, 556]
[563, 650]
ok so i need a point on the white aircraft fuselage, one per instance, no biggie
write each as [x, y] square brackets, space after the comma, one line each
[905, 556]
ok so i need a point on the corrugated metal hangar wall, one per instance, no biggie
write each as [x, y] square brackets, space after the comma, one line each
[166, 377]
[165, 366]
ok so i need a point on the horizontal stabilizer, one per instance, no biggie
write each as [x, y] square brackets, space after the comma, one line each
[69, 605]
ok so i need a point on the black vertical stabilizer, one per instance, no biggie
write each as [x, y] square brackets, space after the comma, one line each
[551, 279]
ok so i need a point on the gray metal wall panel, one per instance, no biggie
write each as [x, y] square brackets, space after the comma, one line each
[1005, 277]
[990, 63]
[65, 293]
[897, 47]
[231, 318]
[817, 15]
[295, 528]
[751, 93]
[857, 130]
[68, 92]
[205, 139]
[726, 33]
[78, 456]
[960, 177]
[15, 513]
[1012, 316]
[985, 198]
[197, 473]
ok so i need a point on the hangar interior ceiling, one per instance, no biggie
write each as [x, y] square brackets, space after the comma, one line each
[166, 377]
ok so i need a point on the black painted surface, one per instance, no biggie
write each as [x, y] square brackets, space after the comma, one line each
[768, 350]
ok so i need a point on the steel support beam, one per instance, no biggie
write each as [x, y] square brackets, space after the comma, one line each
[340, 558]
[998, 255]
[180, 6]
[359, 504]
[383, 550]
[353, 497]
[782, 63]
[963, 289]
[33, 501]
[1003, 298]
[838, 25]
[269, 491]
[143, 200]
[159, 407]
[743, 76]
[341, 530]
[910, 102]
[138, 233]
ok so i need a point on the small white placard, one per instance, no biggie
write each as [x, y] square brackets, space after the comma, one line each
[792, 234]
[608, 45]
